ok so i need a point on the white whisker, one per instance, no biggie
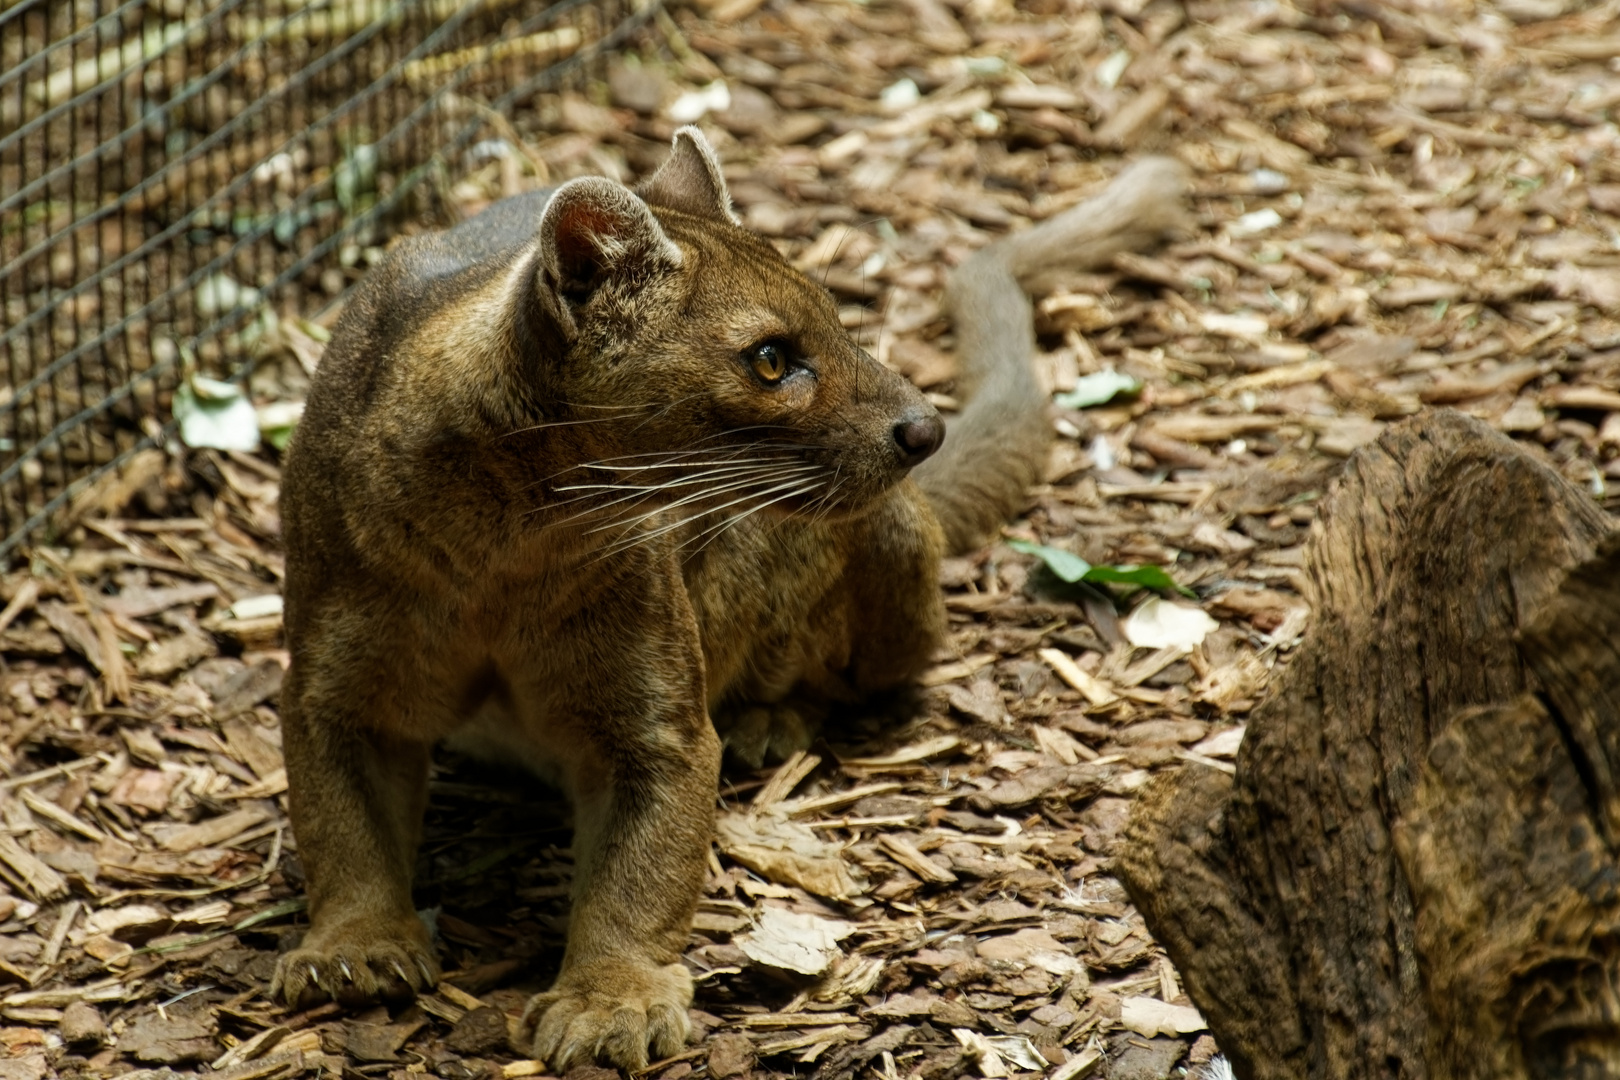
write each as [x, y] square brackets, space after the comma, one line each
[662, 529]
[698, 496]
[642, 492]
[684, 464]
[737, 519]
[565, 423]
[685, 459]
[824, 505]
[678, 481]
[738, 449]
[639, 493]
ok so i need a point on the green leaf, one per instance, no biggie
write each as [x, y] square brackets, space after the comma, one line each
[355, 179]
[1072, 568]
[277, 420]
[1099, 389]
[279, 437]
[286, 907]
[276, 911]
[1148, 577]
[1065, 564]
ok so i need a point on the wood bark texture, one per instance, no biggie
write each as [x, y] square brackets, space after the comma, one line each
[1416, 870]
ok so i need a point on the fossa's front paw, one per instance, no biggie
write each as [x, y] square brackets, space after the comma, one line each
[613, 1011]
[355, 966]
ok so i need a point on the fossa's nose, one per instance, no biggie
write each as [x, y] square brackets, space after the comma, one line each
[917, 436]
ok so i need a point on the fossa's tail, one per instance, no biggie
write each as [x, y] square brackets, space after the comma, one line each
[995, 450]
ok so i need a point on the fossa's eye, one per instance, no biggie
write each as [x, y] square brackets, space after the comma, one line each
[769, 362]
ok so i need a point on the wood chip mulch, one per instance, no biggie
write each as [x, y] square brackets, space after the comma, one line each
[1398, 206]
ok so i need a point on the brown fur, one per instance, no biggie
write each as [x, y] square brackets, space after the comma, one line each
[540, 503]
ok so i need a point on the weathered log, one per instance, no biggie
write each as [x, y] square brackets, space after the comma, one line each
[1415, 871]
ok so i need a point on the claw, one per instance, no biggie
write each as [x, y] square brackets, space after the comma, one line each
[427, 972]
[315, 977]
[400, 971]
[348, 972]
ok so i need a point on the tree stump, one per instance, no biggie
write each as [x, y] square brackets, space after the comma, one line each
[1414, 871]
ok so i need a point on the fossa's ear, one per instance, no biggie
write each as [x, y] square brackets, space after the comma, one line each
[594, 231]
[690, 180]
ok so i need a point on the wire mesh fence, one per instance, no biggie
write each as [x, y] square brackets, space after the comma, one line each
[170, 169]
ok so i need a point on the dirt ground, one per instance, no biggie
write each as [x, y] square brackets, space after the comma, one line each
[1397, 206]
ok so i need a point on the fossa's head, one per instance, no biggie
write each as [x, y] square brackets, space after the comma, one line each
[701, 363]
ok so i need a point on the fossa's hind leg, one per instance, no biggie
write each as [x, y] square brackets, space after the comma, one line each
[757, 734]
[873, 625]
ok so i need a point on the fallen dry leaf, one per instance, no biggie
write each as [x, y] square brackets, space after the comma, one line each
[794, 941]
[1150, 1016]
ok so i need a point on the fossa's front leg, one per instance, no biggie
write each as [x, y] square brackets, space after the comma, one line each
[641, 761]
[358, 792]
